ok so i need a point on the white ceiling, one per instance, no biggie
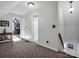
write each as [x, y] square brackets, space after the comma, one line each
[22, 8]
[17, 7]
[6, 6]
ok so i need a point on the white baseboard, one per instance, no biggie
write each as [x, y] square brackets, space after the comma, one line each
[72, 53]
[48, 47]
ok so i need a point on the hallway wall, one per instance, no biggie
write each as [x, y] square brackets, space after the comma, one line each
[27, 27]
[71, 26]
[48, 16]
[71, 22]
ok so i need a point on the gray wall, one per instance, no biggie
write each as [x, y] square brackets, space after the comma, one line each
[48, 16]
[71, 22]
[70, 26]
[27, 26]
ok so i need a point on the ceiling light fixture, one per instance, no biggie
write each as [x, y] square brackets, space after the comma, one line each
[31, 4]
[71, 8]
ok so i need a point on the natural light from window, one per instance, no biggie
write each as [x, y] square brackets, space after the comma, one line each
[15, 38]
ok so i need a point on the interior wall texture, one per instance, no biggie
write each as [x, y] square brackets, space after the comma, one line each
[71, 22]
[48, 16]
[27, 26]
[70, 25]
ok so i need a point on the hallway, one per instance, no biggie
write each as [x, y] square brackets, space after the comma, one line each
[26, 49]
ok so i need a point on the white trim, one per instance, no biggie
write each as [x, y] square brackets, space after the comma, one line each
[48, 47]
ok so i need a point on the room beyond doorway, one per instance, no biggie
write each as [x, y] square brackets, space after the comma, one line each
[16, 27]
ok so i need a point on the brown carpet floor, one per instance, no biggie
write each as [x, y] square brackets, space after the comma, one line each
[25, 49]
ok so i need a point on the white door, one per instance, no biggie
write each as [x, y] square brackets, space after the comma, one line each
[35, 28]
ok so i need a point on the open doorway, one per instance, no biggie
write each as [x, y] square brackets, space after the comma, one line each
[16, 30]
[16, 27]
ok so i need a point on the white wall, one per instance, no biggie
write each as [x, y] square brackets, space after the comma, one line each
[71, 22]
[48, 16]
[71, 25]
[27, 27]
[60, 20]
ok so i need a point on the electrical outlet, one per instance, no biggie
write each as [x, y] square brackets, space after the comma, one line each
[53, 26]
[47, 41]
